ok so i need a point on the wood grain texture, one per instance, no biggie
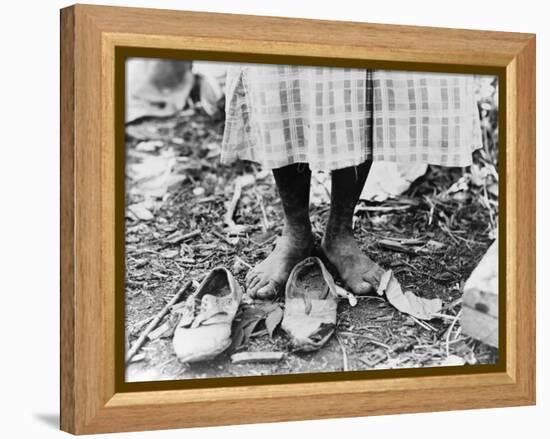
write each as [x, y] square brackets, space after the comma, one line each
[252, 34]
[90, 35]
[67, 253]
[524, 228]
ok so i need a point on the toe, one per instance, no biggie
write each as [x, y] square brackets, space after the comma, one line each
[254, 282]
[250, 275]
[255, 277]
[268, 291]
[254, 286]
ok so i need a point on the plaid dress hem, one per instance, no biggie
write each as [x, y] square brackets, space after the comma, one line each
[335, 118]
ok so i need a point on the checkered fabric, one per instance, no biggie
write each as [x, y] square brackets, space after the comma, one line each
[333, 118]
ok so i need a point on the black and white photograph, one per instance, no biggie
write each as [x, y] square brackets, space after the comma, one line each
[286, 219]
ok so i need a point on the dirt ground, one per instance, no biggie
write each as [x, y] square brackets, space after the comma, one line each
[180, 235]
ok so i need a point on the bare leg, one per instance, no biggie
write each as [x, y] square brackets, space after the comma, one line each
[339, 246]
[268, 278]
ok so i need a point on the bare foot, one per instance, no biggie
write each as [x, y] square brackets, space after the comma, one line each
[360, 273]
[268, 279]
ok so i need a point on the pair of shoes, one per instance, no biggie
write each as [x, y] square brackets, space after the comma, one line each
[309, 318]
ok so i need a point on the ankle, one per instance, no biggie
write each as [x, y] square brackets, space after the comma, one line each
[298, 232]
[336, 232]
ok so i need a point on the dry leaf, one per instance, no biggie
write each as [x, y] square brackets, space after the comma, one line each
[434, 245]
[244, 324]
[141, 212]
[149, 145]
[239, 266]
[478, 175]
[374, 357]
[214, 150]
[273, 319]
[493, 189]
[165, 330]
[153, 175]
[169, 254]
[453, 360]
[138, 357]
[407, 302]
[198, 191]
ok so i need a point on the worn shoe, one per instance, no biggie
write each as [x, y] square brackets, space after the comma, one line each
[310, 305]
[204, 330]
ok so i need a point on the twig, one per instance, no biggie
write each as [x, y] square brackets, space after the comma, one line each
[344, 354]
[396, 246]
[370, 340]
[186, 261]
[455, 237]
[257, 357]
[176, 238]
[457, 334]
[316, 177]
[449, 331]
[141, 339]
[458, 340]
[448, 232]
[207, 199]
[265, 221]
[432, 209]
[146, 250]
[232, 206]
[370, 298]
[443, 316]
[222, 237]
[452, 304]
[381, 208]
[243, 262]
[423, 324]
[142, 323]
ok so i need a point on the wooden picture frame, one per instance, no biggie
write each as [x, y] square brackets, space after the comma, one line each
[91, 400]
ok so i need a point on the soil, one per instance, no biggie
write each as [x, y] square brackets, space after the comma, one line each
[454, 229]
